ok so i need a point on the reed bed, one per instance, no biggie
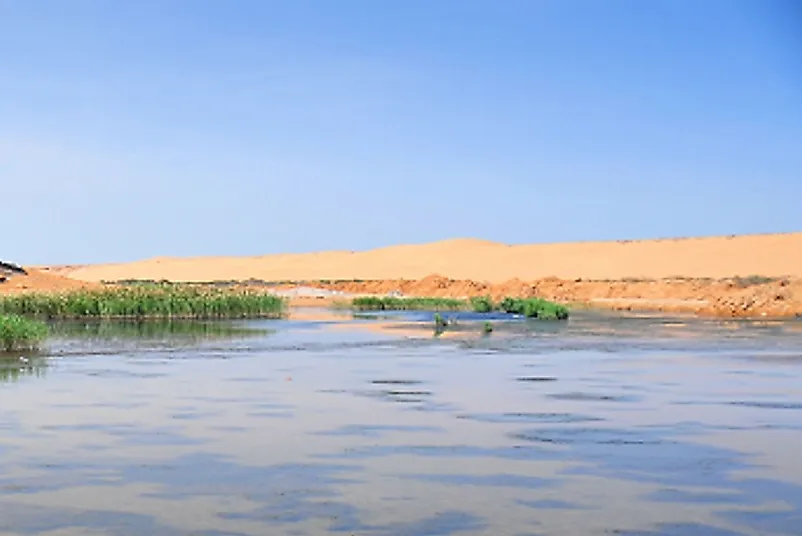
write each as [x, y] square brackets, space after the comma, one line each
[528, 307]
[370, 303]
[146, 301]
[18, 333]
[534, 308]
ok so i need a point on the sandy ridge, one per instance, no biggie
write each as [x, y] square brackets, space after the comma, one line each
[775, 255]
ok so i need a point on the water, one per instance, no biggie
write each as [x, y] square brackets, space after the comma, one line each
[604, 425]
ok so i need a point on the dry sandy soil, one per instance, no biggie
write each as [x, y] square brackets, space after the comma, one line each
[40, 281]
[768, 255]
[702, 275]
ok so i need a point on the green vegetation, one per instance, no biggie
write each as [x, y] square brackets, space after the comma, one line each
[12, 367]
[18, 333]
[528, 307]
[534, 308]
[408, 304]
[487, 328]
[146, 301]
[482, 304]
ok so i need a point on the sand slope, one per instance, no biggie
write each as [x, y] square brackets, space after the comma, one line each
[716, 257]
[39, 281]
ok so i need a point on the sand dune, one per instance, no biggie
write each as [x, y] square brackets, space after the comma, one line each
[39, 281]
[478, 260]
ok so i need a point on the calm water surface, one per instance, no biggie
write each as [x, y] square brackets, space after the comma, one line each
[604, 425]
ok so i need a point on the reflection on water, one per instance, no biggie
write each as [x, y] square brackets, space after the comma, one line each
[162, 330]
[604, 425]
[14, 366]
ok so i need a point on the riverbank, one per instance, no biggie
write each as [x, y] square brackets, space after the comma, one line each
[728, 276]
[729, 298]
[733, 297]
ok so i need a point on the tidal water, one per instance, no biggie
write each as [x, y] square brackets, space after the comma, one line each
[605, 424]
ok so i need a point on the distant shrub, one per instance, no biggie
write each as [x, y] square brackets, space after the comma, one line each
[374, 303]
[482, 304]
[529, 307]
[534, 308]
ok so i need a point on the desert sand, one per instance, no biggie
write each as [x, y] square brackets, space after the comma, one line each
[776, 255]
[698, 275]
[40, 281]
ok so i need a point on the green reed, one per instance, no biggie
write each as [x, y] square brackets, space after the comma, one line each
[528, 307]
[19, 333]
[371, 303]
[146, 301]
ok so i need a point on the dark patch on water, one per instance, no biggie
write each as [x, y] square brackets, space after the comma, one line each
[551, 504]
[273, 405]
[593, 397]
[396, 382]
[192, 415]
[592, 436]
[251, 380]
[551, 418]
[767, 405]
[271, 414]
[536, 379]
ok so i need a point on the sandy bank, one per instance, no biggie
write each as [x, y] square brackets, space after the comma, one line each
[748, 297]
[40, 281]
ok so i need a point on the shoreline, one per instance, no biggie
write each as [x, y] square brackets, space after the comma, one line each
[729, 298]
[752, 297]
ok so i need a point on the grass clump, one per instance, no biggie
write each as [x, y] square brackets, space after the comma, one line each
[371, 303]
[528, 307]
[482, 304]
[534, 308]
[146, 301]
[18, 333]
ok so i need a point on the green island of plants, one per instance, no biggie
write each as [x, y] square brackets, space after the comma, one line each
[18, 333]
[528, 307]
[146, 301]
[372, 303]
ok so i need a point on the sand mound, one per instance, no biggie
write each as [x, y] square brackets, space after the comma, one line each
[39, 281]
[477, 260]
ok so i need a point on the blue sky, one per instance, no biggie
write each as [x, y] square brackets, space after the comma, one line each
[138, 129]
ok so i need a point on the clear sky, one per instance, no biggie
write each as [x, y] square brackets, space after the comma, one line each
[138, 129]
